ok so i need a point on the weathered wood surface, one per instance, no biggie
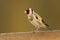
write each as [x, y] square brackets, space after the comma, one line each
[52, 35]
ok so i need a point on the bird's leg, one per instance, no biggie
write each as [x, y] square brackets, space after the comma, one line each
[36, 30]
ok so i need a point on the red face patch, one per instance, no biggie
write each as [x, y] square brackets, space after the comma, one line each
[27, 10]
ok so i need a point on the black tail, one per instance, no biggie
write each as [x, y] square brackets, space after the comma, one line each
[48, 27]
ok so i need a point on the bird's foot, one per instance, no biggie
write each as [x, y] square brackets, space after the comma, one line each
[36, 30]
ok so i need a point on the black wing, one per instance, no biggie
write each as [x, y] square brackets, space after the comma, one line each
[45, 23]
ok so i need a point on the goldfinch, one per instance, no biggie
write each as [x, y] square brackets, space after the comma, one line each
[36, 20]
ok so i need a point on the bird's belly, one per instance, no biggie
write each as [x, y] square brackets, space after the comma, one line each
[35, 23]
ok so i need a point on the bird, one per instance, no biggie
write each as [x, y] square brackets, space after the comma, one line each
[36, 20]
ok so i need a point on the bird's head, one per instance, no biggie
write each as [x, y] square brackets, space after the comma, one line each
[28, 11]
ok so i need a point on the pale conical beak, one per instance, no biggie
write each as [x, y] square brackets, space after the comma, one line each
[24, 11]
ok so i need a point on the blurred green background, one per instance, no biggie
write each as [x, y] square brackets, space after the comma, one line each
[13, 18]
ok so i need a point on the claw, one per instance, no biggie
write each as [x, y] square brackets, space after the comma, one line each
[36, 30]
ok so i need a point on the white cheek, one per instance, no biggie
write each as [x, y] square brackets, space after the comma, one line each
[29, 8]
[30, 11]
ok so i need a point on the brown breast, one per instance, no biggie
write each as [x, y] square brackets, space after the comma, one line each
[31, 18]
